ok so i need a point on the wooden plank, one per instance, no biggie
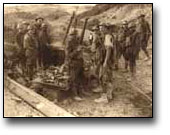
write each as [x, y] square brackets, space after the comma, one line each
[37, 101]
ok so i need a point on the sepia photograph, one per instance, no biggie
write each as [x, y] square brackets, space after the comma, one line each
[78, 60]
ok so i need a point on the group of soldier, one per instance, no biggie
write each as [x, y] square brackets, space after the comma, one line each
[109, 45]
[33, 40]
[106, 46]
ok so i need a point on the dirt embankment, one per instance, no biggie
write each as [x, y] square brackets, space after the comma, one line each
[116, 13]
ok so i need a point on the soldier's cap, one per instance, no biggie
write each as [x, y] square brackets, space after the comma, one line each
[31, 27]
[39, 18]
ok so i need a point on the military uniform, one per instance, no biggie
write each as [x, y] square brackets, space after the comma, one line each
[37, 26]
[131, 50]
[30, 46]
[74, 64]
[21, 51]
[99, 52]
[44, 42]
[121, 42]
[142, 34]
[106, 72]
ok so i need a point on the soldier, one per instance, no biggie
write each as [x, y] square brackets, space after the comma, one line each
[44, 43]
[21, 52]
[38, 23]
[74, 62]
[125, 27]
[25, 26]
[131, 50]
[30, 46]
[143, 33]
[106, 72]
[120, 43]
[98, 50]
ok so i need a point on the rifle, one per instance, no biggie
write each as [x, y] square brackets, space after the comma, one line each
[83, 32]
[68, 28]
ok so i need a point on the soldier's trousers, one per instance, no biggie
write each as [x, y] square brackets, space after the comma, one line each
[106, 74]
[142, 42]
[30, 71]
[31, 61]
[106, 82]
[75, 77]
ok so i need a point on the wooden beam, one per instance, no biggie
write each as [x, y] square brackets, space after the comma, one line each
[46, 107]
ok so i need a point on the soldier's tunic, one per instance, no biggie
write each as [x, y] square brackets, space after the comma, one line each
[37, 32]
[74, 62]
[21, 51]
[31, 47]
[99, 52]
[107, 65]
[131, 51]
[142, 33]
[121, 41]
[44, 52]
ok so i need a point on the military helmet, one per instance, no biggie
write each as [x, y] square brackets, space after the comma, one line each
[37, 18]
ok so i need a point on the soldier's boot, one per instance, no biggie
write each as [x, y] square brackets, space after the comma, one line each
[102, 99]
[75, 93]
[98, 90]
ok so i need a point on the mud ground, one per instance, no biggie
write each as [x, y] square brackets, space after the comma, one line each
[127, 102]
